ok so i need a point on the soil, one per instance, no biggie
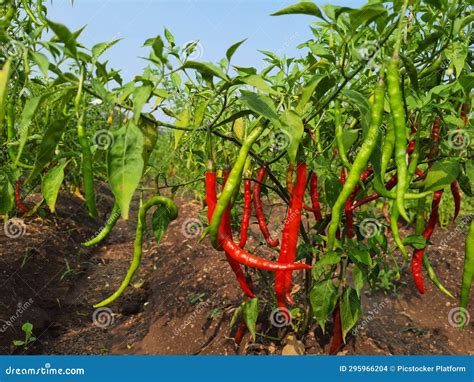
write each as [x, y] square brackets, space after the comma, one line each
[184, 295]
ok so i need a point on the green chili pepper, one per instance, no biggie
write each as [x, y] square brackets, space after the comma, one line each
[468, 272]
[387, 151]
[360, 163]
[395, 232]
[106, 229]
[232, 183]
[30, 13]
[340, 135]
[398, 117]
[137, 255]
[87, 173]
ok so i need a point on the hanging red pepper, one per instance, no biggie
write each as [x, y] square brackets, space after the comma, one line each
[417, 259]
[225, 228]
[18, 201]
[244, 228]
[336, 340]
[290, 237]
[456, 192]
[257, 201]
[313, 190]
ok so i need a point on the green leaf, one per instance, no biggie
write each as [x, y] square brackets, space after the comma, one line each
[292, 125]
[367, 14]
[206, 69]
[51, 184]
[258, 82]
[48, 145]
[99, 49]
[140, 98]
[250, 313]
[125, 165]
[442, 174]
[260, 104]
[65, 36]
[416, 241]
[6, 194]
[183, 121]
[359, 101]
[27, 327]
[236, 316]
[360, 256]
[169, 37]
[457, 53]
[160, 221]
[359, 277]
[350, 310]
[18, 342]
[4, 77]
[301, 8]
[349, 137]
[323, 298]
[230, 52]
[42, 61]
[29, 111]
[308, 92]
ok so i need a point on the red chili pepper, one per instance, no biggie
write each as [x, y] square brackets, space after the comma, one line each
[257, 201]
[18, 201]
[417, 259]
[348, 209]
[336, 341]
[290, 237]
[225, 228]
[243, 257]
[457, 199]
[247, 212]
[240, 332]
[313, 190]
[342, 177]
[411, 147]
[464, 111]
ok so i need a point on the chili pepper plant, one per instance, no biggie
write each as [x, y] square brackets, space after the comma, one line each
[366, 137]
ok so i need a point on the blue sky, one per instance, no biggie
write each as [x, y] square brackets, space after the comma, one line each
[217, 24]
